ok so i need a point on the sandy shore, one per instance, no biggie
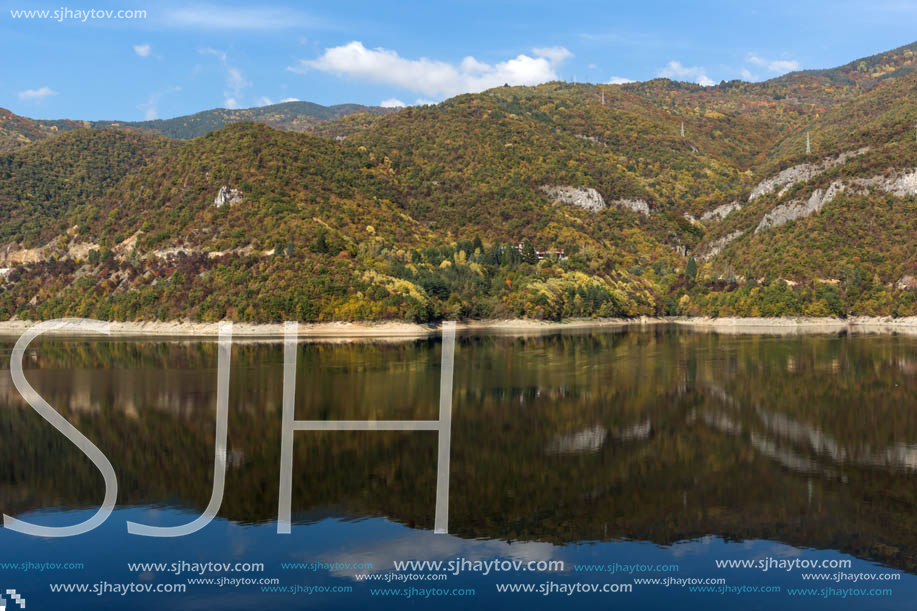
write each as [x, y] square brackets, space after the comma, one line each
[406, 330]
[329, 330]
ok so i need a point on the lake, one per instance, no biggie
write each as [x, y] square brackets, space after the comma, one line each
[633, 460]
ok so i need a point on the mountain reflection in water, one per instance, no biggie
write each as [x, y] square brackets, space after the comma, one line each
[657, 435]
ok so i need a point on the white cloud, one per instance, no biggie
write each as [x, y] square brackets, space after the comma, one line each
[263, 101]
[150, 108]
[424, 102]
[555, 55]
[392, 103]
[235, 81]
[747, 75]
[434, 78]
[142, 50]
[774, 65]
[620, 80]
[675, 70]
[784, 65]
[210, 17]
[36, 95]
[290, 100]
[218, 54]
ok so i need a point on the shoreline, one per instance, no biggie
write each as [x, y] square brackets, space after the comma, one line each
[802, 325]
[396, 330]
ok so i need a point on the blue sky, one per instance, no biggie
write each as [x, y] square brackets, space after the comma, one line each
[187, 57]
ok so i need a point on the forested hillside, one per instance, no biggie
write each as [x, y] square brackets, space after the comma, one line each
[16, 131]
[292, 116]
[792, 196]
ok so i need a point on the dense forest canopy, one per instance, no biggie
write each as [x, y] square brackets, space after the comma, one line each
[795, 196]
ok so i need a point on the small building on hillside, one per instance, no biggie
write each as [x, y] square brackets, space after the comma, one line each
[560, 255]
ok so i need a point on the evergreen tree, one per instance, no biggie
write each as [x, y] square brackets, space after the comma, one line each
[528, 253]
[321, 243]
[691, 269]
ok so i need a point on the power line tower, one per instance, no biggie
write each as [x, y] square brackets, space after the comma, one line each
[682, 129]
[603, 97]
[808, 144]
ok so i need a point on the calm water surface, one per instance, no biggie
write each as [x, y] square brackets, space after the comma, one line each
[658, 447]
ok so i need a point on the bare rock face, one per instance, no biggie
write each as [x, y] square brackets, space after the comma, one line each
[903, 185]
[720, 212]
[592, 139]
[798, 209]
[801, 173]
[590, 199]
[786, 179]
[907, 283]
[587, 199]
[637, 205]
[717, 245]
[227, 195]
[899, 183]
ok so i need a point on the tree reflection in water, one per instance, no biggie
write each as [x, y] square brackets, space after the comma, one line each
[658, 435]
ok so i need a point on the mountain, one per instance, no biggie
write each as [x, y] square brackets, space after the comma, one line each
[843, 216]
[16, 131]
[861, 74]
[291, 116]
[790, 196]
[43, 185]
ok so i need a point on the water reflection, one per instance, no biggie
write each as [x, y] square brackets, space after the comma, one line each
[660, 435]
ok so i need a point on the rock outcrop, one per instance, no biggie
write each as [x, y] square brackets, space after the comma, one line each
[903, 185]
[227, 195]
[587, 199]
[801, 173]
[639, 206]
[798, 209]
[592, 139]
[717, 245]
[720, 212]
[592, 200]
[898, 182]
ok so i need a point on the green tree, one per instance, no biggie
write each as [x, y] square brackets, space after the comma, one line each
[691, 269]
[528, 253]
